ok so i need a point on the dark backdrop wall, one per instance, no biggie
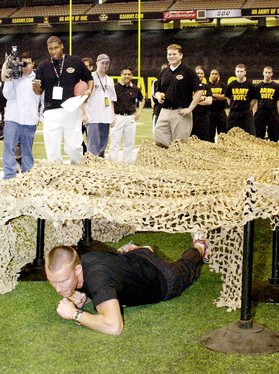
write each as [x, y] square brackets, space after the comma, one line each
[211, 47]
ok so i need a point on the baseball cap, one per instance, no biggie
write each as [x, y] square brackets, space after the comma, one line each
[103, 57]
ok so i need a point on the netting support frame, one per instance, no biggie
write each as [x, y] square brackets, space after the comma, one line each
[243, 336]
[35, 271]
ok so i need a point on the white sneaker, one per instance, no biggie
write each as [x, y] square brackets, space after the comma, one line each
[199, 242]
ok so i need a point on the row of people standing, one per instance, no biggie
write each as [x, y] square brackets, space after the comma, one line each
[119, 106]
[55, 81]
[108, 108]
[112, 109]
[251, 108]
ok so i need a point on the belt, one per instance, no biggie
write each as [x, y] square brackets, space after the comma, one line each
[125, 114]
[172, 107]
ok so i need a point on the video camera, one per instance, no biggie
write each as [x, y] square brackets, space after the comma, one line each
[14, 65]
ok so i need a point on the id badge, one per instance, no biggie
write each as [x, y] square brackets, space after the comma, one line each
[57, 93]
[106, 101]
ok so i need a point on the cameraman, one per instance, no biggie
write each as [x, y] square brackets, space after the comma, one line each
[21, 115]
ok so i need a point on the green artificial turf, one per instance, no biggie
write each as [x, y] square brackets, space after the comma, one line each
[161, 338]
[143, 133]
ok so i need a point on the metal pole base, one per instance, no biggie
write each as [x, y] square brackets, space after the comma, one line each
[92, 246]
[266, 292]
[33, 272]
[235, 339]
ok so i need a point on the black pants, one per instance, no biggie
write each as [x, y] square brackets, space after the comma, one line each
[244, 120]
[178, 275]
[217, 121]
[267, 118]
[200, 125]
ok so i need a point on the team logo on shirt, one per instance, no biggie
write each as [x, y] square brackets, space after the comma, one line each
[70, 70]
[179, 77]
[216, 90]
[267, 93]
[240, 94]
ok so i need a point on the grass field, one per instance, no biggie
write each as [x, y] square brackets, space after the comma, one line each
[144, 132]
[157, 339]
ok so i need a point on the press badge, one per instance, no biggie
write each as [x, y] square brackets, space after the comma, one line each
[106, 101]
[57, 93]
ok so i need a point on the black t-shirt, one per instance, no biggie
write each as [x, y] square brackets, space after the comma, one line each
[240, 95]
[127, 96]
[130, 278]
[74, 70]
[203, 109]
[157, 106]
[217, 88]
[267, 95]
[178, 86]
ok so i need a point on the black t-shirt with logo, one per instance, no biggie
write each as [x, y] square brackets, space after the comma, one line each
[217, 88]
[178, 86]
[74, 70]
[130, 278]
[267, 95]
[240, 95]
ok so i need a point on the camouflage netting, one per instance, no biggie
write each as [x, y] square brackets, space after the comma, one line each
[192, 186]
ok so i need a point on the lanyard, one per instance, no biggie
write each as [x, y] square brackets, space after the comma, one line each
[103, 88]
[58, 75]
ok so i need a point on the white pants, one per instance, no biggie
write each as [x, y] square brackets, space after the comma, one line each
[125, 127]
[58, 123]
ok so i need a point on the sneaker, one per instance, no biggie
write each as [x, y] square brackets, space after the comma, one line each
[201, 246]
[198, 235]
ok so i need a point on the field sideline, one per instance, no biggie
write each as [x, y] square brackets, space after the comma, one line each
[144, 132]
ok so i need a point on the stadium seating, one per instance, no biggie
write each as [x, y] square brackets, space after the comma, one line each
[207, 4]
[7, 12]
[61, 7]
[130, 7]
[260, 4]
[54, 10]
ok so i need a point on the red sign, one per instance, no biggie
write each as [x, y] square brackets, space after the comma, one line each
[179, 14]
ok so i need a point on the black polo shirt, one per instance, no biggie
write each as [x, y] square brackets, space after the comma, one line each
[74, 70]
[178, 86]
[240, 95]
[130, 278]
[127, 97]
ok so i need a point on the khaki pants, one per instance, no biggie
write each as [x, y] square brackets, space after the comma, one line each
[172, 126]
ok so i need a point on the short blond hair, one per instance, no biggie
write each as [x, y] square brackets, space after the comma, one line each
[60, 256]
[175, 46]
[269, 68]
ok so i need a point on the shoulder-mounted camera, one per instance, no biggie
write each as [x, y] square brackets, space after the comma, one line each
[12, 67]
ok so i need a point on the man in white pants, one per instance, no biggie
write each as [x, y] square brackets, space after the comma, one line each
[126, 116]
[57, 77]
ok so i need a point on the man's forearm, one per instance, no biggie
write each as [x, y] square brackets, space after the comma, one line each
[108, 320]
[101, 323]
[90, 85]
[196, 99]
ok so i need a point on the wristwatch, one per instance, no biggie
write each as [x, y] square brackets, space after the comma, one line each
[76, 316]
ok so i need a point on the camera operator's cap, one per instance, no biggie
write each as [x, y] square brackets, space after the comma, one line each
[103, 57]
